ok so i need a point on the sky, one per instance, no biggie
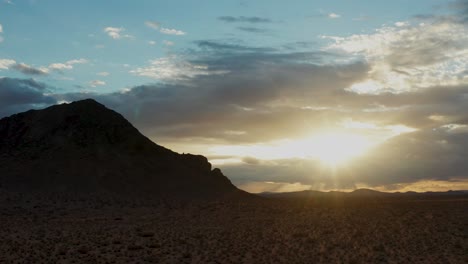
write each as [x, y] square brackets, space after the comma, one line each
[282, 96]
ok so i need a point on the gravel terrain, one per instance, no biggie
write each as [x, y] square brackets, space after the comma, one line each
[43, 230]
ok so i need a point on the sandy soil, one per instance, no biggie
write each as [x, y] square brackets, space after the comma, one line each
[41, 230]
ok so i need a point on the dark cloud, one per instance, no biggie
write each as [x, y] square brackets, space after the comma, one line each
[458, 12]
[253, 30]
[28, 70]
[434, 154]
[244, 19]
[240, 100]
[223, 55]
[300, 45]
[413, 109]
[229, 47]
[251, 160]
[461, 7]
[425, 17]
[18, 95]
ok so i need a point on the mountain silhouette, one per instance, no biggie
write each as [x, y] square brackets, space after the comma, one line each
[85, 147]
[362, 193]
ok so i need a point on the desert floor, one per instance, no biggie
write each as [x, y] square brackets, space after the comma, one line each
[365, 230]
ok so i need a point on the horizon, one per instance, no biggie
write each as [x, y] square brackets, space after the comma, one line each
[316, 96]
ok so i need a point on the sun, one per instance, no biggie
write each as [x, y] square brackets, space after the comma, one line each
[335, 148]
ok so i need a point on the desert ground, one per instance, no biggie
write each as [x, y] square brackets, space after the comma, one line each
[44, 229]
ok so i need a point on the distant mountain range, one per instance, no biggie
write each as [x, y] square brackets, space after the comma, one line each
[359, 193]
[85, 147]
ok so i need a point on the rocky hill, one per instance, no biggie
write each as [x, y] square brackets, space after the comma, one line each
[85, 147]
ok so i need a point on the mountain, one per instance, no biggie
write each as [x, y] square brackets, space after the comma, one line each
[367, 193]
[85, 147]
[363, 193]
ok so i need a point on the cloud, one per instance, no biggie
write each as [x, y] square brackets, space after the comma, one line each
[430, 156]
[67, 65]
[29, 70]
[153, 25]
[224, 47]
[233, 83]
[6, 63]
[116, 33]
[325, 14]
[409, 56]
[22, 94]
[172, 68]
[60, 66]
[168, 31]
[461, 7]
[96, 83]
[253, 29]
[401, 24]
[1, 28]
[244, 19]
[425, 186]
[77, 61]
[291, 174]
[113, 32]
[420, 161]
[152, 42]
[437, 154]
[103, 73]
[260, 187]
[24, 68]
[300, 45]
